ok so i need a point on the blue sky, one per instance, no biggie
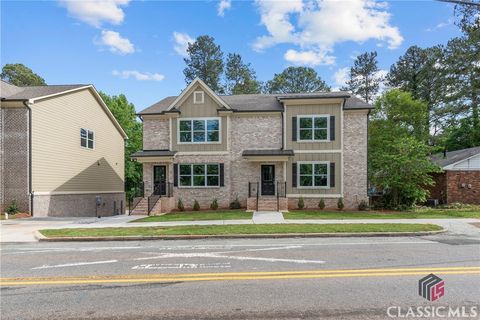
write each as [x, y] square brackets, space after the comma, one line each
[136, 47]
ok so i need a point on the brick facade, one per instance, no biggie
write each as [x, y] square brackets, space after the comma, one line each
[355, 139]
[14, 158]
[248, 132]
[156, 134]
[463, 186]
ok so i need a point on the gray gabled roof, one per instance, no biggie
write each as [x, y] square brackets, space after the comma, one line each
[11, 92]
[454, 156]
[153, 153]
[265, 102]
[267, 152]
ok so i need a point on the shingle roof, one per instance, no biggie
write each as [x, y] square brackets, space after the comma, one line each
[454, 156]
[153, 153]
[267, 152]
[264, 102]
[11, 92]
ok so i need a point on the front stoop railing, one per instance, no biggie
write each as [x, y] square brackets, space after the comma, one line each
[160, 189]
[281, 192]
[253, 190]
[136, 197]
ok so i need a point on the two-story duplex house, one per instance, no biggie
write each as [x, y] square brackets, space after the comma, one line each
[267, 150]
[61, 151]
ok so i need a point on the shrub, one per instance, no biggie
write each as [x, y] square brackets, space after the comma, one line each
[235, 204]
[321, 204]
[214, 205]
[363, 205]
[340, 204]
[196, 205]
[180, 205]
[12, 208]
[301, 203]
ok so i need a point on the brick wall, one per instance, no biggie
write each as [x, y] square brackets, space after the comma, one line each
[156, 134]
[463, 186]
[355, 128]
[14, 158]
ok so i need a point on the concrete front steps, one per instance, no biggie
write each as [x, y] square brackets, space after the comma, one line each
[141, 208]
[267, 204]
[163, 205]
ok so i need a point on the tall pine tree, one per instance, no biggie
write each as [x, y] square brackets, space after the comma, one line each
[240, 76]
[364, 80]
[205, 61]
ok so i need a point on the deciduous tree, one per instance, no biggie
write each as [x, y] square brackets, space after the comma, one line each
[20, 75]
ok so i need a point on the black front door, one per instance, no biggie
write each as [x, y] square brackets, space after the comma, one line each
[159, 180]
[268, 180]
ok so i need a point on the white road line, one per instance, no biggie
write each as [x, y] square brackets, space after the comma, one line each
[74, 264]
[156, 266]
[221, 256]
[272, 259]
[15, 251]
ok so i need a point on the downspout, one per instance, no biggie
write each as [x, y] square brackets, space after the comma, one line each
[25, 103]
[283, 129]
[368, 125]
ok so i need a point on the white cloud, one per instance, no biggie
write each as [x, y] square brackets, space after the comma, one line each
[96, 12]
[318, 26]
[441, 25]
[310, 57]
[223, 5]
[181, 43]
[141, 76]
[116, 44]
[341, 76]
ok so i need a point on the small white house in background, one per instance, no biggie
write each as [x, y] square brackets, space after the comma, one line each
[460, 179]
[61, 151]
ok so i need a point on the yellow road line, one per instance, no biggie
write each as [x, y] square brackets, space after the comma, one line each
[231, 276]
[257, 273]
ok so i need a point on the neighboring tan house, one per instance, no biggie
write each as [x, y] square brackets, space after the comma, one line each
[267, 150]
[61, 151]
[460, 179]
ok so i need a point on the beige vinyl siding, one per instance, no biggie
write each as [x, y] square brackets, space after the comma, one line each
[59, 163]
[298, 110]
[206, 110]
[330, 157]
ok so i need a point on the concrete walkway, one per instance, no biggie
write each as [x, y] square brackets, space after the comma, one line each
[23, 230]
[267, 217]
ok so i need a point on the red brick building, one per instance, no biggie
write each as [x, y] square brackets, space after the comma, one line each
[460, 179]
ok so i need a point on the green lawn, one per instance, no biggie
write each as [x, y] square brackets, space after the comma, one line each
[240, 229]
[199, 215]
[416, 214]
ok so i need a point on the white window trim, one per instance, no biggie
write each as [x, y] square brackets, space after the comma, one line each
[313, 124]
[94, 135]
[202, 94]
[204, 142]
[313, 163]
[191, 186]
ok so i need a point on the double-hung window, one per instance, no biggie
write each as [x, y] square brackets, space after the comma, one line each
[199, 130]
[199, 175]
[313, 128]
[87, 138]
[313, 174]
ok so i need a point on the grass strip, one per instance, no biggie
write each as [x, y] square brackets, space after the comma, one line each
[199, 215]
[240, 229]
[342, 215]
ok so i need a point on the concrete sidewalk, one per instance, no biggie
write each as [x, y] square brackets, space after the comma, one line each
[23, 230]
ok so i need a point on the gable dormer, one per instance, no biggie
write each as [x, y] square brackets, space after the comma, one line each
[201, 124]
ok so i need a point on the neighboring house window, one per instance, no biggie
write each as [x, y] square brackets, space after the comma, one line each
[313, 128]
[87, 138]
[199, 175]
[199, 130]
[313, 174]
[198, 97]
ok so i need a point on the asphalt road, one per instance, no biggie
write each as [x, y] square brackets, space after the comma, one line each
[335, 278]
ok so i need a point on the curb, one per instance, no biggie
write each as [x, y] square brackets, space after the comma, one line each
[42, 238]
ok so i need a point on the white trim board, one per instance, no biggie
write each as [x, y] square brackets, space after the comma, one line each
[57, 193]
